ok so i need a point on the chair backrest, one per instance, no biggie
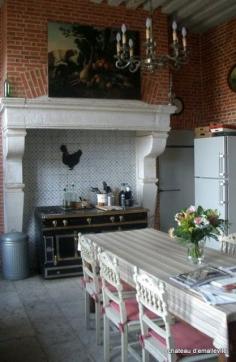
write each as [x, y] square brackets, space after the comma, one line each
[89, 261]
[228, 244]
[151, 296]
[110, 274]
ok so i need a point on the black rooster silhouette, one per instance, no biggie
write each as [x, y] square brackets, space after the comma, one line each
[70, 159]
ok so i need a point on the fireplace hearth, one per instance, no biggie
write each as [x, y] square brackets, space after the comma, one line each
[149, 122]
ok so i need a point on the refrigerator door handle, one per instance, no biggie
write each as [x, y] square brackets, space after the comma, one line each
[222, 196]
[221, 164]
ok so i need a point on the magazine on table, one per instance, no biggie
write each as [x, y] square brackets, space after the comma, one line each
[214, 295]
[229, 269]
[200, 276]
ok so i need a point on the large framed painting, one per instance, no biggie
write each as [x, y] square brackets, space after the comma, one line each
[81, 63]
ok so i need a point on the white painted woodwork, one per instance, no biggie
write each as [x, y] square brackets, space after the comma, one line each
[151, 122]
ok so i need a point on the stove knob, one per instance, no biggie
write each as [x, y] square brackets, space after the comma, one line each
[65, 222]
[89, 219]
[54, 223]
[121, 217]
[112, 218]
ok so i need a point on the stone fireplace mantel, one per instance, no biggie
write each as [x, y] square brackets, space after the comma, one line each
[151, 123]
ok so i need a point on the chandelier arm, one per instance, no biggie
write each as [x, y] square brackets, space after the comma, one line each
[121, 64]
[125, 51]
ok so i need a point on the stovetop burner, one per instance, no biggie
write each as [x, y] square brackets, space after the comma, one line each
[52, 210]
[59, 210]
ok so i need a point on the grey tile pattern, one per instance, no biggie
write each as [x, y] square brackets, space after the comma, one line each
[107, 156]
[43, 320]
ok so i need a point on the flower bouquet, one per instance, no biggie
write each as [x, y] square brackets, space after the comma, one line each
[194, 225]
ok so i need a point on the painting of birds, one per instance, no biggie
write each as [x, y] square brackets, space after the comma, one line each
[70, 159]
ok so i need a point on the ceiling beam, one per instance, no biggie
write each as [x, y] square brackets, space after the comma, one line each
[217, 19]
[155, 4]
[192, 7]
[173, 5]
[96, 1]
[114, 2]
[134, 4]
[209, 11]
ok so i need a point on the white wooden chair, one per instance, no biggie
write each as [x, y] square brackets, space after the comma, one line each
[228, 244]
[91, 283]
[119, 308]
[162, 340]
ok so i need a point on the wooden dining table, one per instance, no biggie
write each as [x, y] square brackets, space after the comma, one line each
[163, 257]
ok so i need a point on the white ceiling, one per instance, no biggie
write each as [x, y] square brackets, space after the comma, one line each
[197, 15]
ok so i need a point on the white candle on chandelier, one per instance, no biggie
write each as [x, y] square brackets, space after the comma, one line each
[184, 39]
[123, 29]
[131, 48]
[174, 27]
[118, 39]
[148, 28]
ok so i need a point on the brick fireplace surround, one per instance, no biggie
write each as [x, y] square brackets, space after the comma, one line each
[202, 84]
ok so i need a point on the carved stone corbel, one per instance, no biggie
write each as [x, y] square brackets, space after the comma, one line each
[148, 147]
[13, 151]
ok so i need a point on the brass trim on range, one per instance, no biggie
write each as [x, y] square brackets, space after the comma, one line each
[61, 236]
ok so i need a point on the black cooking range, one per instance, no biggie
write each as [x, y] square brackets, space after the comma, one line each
[57, 234]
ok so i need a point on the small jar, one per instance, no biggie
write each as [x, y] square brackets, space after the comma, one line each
[110, 200]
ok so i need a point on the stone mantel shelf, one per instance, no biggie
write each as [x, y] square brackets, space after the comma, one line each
[44, 112]
[151, 123]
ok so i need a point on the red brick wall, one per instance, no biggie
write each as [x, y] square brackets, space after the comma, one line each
[27, 40]
[187, 85]
[202, 84]
[218, 56]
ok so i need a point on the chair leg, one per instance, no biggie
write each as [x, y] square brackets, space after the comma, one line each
[87, 310]
[124, 345]
[145, 355]
[106, 339]
[98, 322]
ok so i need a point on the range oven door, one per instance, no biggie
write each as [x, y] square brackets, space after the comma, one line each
[67, 247]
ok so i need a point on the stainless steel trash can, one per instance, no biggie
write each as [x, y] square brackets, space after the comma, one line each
[15, 259]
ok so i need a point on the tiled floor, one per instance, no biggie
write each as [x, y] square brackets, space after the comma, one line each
[43, 320]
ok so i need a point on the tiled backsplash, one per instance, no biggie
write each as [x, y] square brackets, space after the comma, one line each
[107, 156]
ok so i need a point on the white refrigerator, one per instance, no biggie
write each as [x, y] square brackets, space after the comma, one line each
[215, 177]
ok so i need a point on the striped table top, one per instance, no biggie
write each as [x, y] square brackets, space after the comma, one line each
[156, 253]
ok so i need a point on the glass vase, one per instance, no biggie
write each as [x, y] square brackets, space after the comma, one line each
[196, 252]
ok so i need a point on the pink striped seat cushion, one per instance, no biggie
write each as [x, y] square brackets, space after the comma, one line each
[126, 287]
[132, 310]
[186, 337]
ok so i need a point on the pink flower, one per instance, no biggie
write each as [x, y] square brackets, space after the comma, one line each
[198, 220]
[191, 209]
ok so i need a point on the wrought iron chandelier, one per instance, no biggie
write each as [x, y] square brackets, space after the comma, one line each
[125, 57]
